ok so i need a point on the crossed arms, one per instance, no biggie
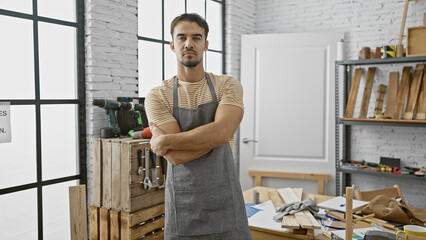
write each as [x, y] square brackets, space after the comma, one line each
[182, 147]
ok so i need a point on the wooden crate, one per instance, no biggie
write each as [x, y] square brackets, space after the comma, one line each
[147, 224]
[416, 39]
[116, 182]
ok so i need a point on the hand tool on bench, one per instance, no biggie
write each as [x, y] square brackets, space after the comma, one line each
[140, 161]
[154, 178]
[163, 171]
[147, 182]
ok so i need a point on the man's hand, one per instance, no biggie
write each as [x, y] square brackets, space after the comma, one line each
[158, 145]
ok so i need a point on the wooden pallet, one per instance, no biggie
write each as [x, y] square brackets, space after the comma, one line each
[116, 182]
[147, 224]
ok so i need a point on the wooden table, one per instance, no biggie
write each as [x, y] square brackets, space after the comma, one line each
[269, 234]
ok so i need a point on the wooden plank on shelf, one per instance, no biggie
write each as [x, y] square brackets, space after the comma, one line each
[367, 92]
[106, 173]
[414, 91]
[78, 214]
[350, 106]
[421, 107]
[379, 99]
[392, 94]
[403, 89]
[94, 223]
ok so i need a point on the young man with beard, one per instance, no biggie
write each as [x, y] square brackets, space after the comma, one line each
[193, 117]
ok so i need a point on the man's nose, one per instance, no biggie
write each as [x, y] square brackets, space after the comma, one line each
[189, 43]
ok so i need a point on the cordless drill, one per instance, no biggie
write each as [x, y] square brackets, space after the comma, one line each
[112, 130]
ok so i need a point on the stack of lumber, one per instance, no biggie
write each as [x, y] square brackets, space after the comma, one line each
[301, 222]
[406, 97]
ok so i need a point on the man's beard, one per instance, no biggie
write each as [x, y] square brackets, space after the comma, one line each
[190, 63]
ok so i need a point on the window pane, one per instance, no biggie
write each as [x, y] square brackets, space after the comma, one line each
[150, 66]
[149, 19]
[214, 19]
[24, 6]
[18, 157]
[57, 61]
[16, 58]
[195, 6]
[63, 10]
[170, 62]
[18, 215]
[172, 8]
[214, 62]
[59, 140]
[56, 211]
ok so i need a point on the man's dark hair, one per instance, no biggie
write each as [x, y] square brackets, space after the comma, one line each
[190, 17]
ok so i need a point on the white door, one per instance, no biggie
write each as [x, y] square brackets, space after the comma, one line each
[288, 82]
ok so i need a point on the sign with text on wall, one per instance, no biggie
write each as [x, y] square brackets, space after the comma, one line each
[5, 130]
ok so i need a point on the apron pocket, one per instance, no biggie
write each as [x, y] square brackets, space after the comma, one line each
[205, 211]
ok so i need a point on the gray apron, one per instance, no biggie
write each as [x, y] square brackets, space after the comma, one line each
[203, 197]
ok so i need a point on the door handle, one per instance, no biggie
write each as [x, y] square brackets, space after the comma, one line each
[245, 140]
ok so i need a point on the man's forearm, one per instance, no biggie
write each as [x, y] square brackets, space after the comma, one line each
[203, 138]
[180, 157]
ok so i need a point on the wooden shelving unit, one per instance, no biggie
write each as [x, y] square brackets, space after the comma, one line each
[345, 124]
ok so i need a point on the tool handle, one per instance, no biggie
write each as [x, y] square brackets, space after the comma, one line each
[153, 160]
[163, 165]
[140, 157]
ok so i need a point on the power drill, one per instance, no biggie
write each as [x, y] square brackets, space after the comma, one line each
[112, 130]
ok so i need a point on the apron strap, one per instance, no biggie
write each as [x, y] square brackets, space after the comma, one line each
[212, 91]
[176, 96]
[175, 99]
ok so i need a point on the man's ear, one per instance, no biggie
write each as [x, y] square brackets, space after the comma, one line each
[206, 46]
[172, 46]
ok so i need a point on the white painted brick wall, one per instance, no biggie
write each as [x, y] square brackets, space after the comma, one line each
[239, 19]
[366, 23]
[111, 61]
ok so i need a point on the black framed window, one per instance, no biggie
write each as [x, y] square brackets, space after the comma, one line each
[156, 61]
[42, 78]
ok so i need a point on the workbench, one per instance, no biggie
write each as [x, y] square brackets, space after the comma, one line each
[259, 233]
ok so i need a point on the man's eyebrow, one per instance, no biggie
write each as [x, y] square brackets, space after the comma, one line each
[194, 35]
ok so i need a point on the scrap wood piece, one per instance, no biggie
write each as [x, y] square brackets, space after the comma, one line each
[421, 106]
[304, 218]
[314, 222]
[78, 212]
[379, 99]
[288, 195]
[289, 221]
[350, 106]
[298, 192]
[367, 92]
[402, 92]
[392, 94]
[276, 199]
[414, 91]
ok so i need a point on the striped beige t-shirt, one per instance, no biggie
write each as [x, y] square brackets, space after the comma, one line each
[159, 102]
